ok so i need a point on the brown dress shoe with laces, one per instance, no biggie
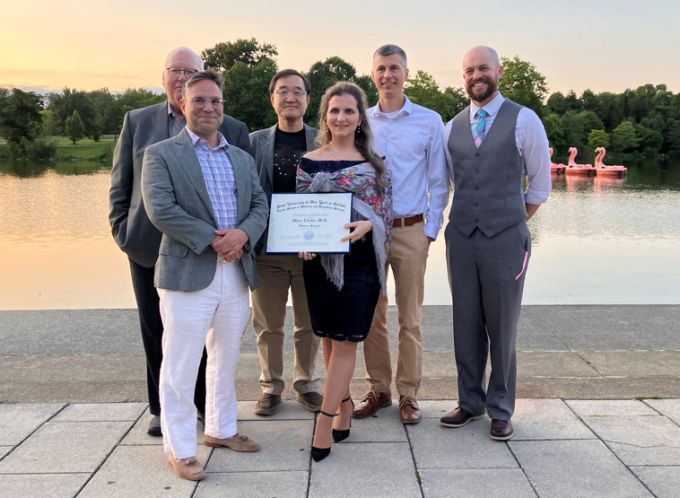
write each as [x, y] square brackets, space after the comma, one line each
[371, 403]
[458, 418]
[312, 401]
[501, 430]
[409, 412]
[267, 404]
[188, 468]
[236, 443]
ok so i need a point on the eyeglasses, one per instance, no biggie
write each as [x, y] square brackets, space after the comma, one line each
[188, 73]
[200, 102]
[284, 93]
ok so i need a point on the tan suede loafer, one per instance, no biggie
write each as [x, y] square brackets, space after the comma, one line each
[188, 468]
[236, 443]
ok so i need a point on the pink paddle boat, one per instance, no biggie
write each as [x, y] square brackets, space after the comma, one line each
[578, 169]
[615, 171]
[556, 169]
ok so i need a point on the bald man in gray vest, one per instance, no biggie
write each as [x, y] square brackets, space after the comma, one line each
[492, 145]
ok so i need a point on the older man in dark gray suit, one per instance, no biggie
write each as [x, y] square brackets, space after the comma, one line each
[204, 195]
[130, 225]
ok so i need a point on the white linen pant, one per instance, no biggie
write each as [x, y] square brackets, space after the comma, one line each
[215, 317]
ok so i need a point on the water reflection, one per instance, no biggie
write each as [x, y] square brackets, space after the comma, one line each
[597, 240]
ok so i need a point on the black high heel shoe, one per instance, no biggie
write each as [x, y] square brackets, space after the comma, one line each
[319, 454]
[342, 435]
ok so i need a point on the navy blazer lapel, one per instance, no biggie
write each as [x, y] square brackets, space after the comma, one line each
[268, 153]
[184, 150]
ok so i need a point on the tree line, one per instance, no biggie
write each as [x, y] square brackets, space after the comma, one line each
[644, 120]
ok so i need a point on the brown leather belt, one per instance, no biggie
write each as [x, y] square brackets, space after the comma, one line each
[407, 222]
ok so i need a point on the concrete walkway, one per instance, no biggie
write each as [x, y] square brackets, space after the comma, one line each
[73, 421]
[574, 448]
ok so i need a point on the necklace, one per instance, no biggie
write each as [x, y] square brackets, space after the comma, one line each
[330, 147]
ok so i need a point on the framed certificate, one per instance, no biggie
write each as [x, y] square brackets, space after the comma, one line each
[310, 223]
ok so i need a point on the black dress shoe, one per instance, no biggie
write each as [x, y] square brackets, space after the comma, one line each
[501, 430]
[458, 418]
[155, 427]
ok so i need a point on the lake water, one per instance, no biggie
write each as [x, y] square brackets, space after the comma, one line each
[596, 240]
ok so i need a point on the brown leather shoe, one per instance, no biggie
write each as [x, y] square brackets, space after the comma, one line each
[501, 430]
[458, 418]
[409, 413]
[371, 403]
[311, 400]
[267, 404]
[236, 443]
[188, 469]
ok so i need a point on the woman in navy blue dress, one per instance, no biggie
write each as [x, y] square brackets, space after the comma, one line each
[343, 290]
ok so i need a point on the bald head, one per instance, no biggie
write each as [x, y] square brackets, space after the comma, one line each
[177, 63]
[482, 53]
[183, 53]
[481, 70]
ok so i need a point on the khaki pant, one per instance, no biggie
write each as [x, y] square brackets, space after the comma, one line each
[408, 258]
[277, 274]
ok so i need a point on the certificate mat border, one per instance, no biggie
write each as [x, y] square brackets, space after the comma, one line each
[298, 195]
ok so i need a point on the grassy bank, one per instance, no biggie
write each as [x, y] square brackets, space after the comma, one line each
[86, 149]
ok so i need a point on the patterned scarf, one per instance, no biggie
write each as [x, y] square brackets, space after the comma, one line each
[360, 181]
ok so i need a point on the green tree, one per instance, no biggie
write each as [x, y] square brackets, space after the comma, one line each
[590, 122]
[573, 129]
[648, 140]
[598, 138]
[322, 75]
[224, 55]
[589, 101]
[553, 128]
[674, 138]
[246, 93]
[75, 129]
[20, 118]
[572, 102]
[47, 122]
[367, 85]
[62, 105]
[423, 90]
[623, 137]
[460, 98]
[556, 104]
[522, 83]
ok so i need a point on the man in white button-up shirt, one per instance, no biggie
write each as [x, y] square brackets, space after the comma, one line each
[410, 138]
[491, 147]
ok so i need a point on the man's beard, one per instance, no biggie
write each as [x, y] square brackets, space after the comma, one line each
[491, 88]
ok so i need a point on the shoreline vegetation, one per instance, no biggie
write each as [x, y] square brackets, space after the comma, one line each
[638, 123]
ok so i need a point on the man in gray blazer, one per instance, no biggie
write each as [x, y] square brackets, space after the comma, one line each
[130, 225]
[277, 151]
[204, 195]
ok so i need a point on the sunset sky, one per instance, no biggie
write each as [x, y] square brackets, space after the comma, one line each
[604, 45]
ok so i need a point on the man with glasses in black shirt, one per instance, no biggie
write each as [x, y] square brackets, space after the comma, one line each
[277, 151]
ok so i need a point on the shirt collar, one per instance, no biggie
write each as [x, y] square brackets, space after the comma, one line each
[196, 140]
[491, 108]
[172, 113]
[407, 108]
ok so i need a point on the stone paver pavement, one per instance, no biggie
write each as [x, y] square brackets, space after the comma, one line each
[572, 448]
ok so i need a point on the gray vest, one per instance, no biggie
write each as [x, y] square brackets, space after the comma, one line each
[488, 192]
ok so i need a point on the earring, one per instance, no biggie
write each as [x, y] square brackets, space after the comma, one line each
[358, 130]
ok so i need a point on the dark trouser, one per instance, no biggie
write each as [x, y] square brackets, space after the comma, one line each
[152, 337]
[487, 280]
